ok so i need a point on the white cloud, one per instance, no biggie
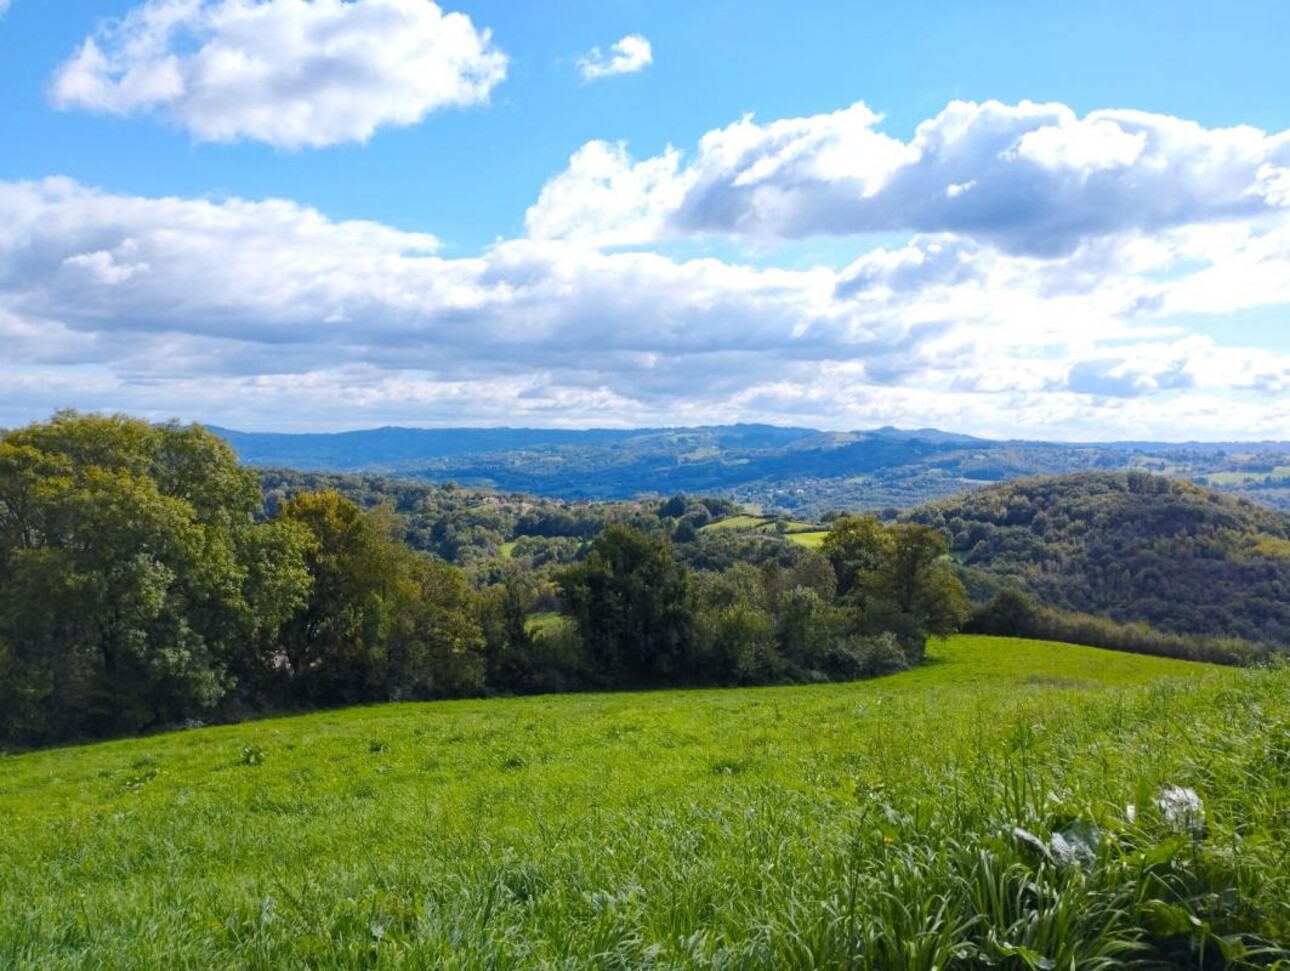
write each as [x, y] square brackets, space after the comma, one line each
[605, 199]
[4, 6]
[292, 73]
[261, 313]
[1084, 146]
[1030, 179]
[627, 56]
[107, 267]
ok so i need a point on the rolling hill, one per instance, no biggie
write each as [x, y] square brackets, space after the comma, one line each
[794, 469]
[1132, 547]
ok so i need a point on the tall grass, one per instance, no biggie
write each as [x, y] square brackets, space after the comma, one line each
[971, 814]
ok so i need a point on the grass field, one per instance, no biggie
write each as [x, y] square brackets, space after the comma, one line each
[1280, 473]
[972, 813]
[765, 524]
[738, 522]
[812, 539]
[544, 620]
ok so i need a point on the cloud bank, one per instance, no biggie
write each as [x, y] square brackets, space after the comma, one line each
[290, 73]
[269, 314]
[1029, 179]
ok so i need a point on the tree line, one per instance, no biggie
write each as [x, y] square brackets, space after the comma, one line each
[146, 583]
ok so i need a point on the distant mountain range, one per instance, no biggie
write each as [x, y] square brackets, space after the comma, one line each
[799, 470]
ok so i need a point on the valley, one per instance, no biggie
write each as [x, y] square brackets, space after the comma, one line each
[796, 470]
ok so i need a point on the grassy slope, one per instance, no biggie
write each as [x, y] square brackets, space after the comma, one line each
[695, 827]
[759, 524]
[805, 534]
[738, 522]
[811, 539]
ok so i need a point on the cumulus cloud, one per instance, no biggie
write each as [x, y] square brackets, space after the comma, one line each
[1030, 179]
[605, 198]
[627, 56]
[251, 312]
[275, 273]
[292, 73]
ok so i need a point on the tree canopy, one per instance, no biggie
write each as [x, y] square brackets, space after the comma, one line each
[632, 605]
[148, 580]
[131, 570]
[141, 585]
[1130, 547]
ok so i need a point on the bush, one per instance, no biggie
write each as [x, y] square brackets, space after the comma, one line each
[1015, 614]
[856, 657]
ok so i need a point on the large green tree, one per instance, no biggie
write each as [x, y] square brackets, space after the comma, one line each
[632, 605]
[381, 621]
[896, 578]
[330, 649]
[917, 594]
[858, 547]
[132, 574]
[436, 647]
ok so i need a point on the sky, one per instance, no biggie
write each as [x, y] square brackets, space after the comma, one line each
[1050, 220]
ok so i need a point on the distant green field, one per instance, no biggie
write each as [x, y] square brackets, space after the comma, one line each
[1279, 474]
[508, 549]
[737, 522]
[973, 810]
[764, 524]
[813, 539]
[796, 526]
[544, 620]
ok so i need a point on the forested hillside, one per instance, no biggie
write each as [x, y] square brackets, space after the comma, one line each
[526, 540]
[1129, 546]
[146, 580]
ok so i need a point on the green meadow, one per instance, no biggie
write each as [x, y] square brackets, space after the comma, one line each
[1280, 473]
[545, 620]
[738, 522]
[1012, 804]
[810, 535]
[810, 538]
[766, 524]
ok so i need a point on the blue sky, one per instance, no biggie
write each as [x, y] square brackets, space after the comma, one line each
[416, 252]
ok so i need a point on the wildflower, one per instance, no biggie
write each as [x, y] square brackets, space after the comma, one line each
[1062, 849]
[1077, 844]
[1181, 808]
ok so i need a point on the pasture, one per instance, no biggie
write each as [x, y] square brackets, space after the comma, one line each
[1004, 806]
